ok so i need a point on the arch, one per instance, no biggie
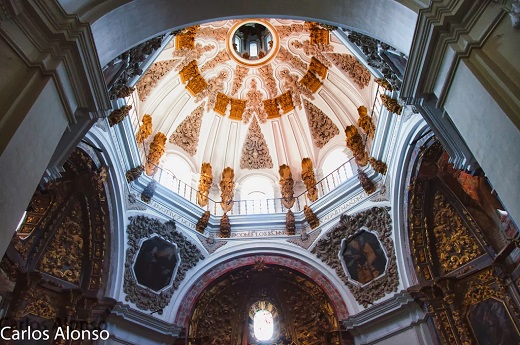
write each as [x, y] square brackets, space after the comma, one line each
[115, 30]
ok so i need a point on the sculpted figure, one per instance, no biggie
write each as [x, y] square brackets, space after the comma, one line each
[286, 185]
[227, 189]
[206, 178]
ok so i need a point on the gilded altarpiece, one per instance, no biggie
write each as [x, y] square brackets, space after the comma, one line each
[57, 260]
[465, 277]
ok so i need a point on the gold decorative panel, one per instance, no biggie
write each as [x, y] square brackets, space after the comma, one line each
[271, 108]
[318, 68]
[285, 102]
[196, 84]
[237, 109]
[311, 82]
[221, 103]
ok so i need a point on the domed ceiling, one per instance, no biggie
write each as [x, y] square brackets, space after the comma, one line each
[252, 95]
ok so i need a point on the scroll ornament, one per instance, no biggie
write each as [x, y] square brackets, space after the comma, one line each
[206, 178]
[286, 186]
[309, 179]
[227, 189]
[155, 153]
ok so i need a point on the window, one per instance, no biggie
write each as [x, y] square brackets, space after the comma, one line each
[256, 194]
[253, 49]
[177, 166]
[263, 325]
[238, 44]
[335, 160]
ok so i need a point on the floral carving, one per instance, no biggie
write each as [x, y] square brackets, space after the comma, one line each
[142, 227]
[456, 246]
[286, 186]
[145, 129]
[378, 165]
[152, 77]
[266, 72]
[366, 183]
[351, 66]
[378, 221]
[318, 34]
[316, 50]
[391, 104]
[124, 91]
[356, 144]
[196, 84]
[311, 218]
[205, 181]
[220, 58]
[321, 126]
[215, 85]
[189, 71]
[186, 135]
[240, 74]
[187, 55]
[287, 30]
[118, 115]
[254, 104]
[290, 226]
[217, 33]
[227, 189]
[237, 109]
[365, 121]
[383, 83]
[255, 153]
[155, 153]
[296, 89]
[309, 179]
[287, 57]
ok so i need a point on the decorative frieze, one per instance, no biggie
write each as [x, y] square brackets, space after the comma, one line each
[240, 74]
[352, 67]
[254, 104]
[155, 153]
[391, 104]
[205, 181]
[186, 38]
[140, 229]
[350, 229]
[145, 130]
[189, 71]
[152, 77]
[365, 122]
[218, 34]
[196, 84]
[227, 189]
[118, 115]
[266, 72]
[372, 48]
[286, 186]
[311, 82]
[309, 180]
[285, 102]
[255, 153]
[356, 144]
[186, 136]
[237, 109]
[296, 89]
[321, 126]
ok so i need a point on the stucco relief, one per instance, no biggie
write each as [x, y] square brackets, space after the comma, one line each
[321, 126]
[255, 153]
[186, 135]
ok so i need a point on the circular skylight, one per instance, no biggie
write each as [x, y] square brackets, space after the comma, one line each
[252, 42]
[263, 325]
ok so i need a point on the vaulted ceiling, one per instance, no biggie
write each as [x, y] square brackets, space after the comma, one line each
[249, 114]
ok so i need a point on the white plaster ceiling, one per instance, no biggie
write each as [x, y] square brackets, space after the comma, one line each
[288, 137]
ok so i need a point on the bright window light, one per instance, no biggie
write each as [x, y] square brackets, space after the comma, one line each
[263, 325]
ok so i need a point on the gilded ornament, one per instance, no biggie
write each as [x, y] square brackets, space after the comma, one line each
[309, 180]
[314, 49]
[296, 89]
[285, 102]
[318, 68]
[321, 126]
[286, 186]
[310, 217]
[391, 104]
[311, 82]
[356, 144]
[366, 183]
[221, 57]
[187, 55]
[225, 227]
[186, 38]
[145, 129]
[118, 115]
[378, 165]
[218, 34]
[215, 86]
[287, 30]
[227, 189]
[255, 153]
[205, 181]
[196, 84]
[189, 71]
[186, 136]
[203, 221]
[271, 108]
[155, 153]
[237, 109]
[384, 84]
[365, 122]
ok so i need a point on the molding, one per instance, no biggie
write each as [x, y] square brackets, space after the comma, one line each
[129, 314]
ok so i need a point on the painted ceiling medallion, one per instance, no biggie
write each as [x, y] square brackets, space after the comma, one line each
[252, 42]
